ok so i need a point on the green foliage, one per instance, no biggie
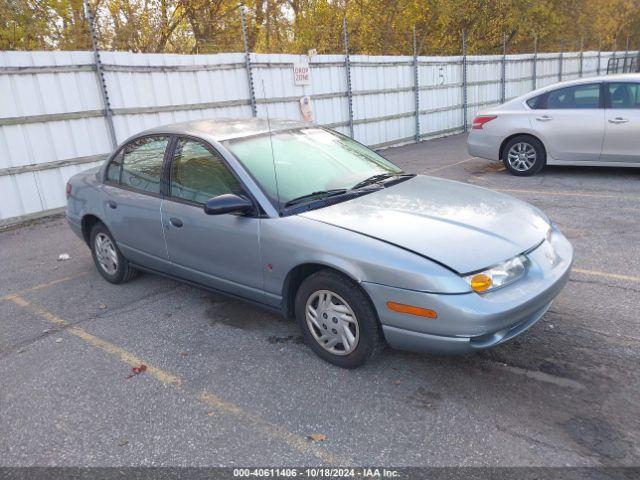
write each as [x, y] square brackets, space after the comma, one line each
[295, 26]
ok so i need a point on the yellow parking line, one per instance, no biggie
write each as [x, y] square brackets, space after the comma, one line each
[275, 431]
[451, 165]
[566, 194]
[43, 286]
[615, 276]
[272, 430]
[97, 342]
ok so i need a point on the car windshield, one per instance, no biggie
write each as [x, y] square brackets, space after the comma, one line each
[310, 163]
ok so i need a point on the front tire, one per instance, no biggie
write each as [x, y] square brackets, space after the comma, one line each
[524, 156]
[337, 319]
[109, 261]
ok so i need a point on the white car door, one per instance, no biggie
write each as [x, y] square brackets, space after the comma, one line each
[622, 126]
[570, 122]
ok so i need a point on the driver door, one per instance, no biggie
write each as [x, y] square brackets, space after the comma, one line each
[219, 251]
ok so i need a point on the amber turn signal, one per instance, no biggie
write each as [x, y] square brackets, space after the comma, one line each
[411, 310]
[481, 282]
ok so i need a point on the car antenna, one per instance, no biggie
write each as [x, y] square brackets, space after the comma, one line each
[273, 157]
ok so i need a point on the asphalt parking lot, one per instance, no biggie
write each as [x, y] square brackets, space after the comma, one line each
[228, 384]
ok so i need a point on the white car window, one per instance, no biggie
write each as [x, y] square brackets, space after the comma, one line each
[577, 96]
[624, 95]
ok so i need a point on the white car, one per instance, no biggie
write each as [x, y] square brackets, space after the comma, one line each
[591, 122]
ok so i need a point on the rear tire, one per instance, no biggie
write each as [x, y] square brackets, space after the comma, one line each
[337, 319]
[109, 261]
[524, 156]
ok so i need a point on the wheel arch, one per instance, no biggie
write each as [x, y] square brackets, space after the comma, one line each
[298, 274]
[521, 134]
[87, 223]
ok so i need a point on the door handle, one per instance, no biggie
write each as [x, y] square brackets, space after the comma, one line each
[112, 204]
[618, 120]
[543, 118]
[176, 222]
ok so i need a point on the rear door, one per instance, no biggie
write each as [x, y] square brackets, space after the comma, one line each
[622, 126]
[220, 251]
[132, 201]
[570, 122]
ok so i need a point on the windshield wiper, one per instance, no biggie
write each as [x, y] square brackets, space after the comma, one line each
[378, 178]
[319, 194]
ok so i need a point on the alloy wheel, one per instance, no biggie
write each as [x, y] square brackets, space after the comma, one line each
[522, 157]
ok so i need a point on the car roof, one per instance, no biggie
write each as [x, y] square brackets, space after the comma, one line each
[220, 129]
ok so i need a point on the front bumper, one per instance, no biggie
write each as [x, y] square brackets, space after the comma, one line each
[470, 321]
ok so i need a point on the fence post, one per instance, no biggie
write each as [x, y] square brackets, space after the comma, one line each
[416, 83]
[347, 66]
[247, 63]
[599, 55]
[581, 56]
[626, 55]
[464, 81]
[503, 70]
[535, 62]
[108, 113]
[560, 61]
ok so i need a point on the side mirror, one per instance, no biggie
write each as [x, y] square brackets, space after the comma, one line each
[227, 203]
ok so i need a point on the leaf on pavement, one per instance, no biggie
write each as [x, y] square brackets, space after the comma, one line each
[317, 437]
[137, 370]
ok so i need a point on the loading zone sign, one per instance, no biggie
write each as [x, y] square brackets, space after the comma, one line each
[301, 73]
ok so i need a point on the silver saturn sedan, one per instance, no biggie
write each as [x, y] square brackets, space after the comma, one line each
[588, 122]
[307, 222]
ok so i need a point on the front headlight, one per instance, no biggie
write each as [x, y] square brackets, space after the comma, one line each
[498, 275]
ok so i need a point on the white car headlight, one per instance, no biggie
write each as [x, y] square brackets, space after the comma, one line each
[498, 275]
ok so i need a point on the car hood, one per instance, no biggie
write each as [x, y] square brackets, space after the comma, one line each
[464, 227]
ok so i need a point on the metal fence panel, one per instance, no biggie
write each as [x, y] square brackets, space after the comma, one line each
[52, 118]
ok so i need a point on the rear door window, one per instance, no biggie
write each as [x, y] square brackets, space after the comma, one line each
[115, 167]
[624, 95]
[142, 161]
[577, 96]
